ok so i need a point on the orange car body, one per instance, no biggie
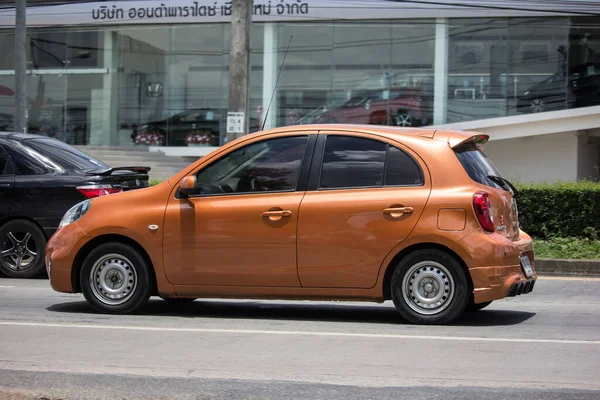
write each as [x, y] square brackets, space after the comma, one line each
[330, 244]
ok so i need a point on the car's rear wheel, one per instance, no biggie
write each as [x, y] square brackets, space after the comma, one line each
[22, 245]
[116, 279]
[429, 287]
[403, 118]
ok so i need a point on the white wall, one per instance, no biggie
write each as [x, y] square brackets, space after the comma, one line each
[543, 158]
[589, 155]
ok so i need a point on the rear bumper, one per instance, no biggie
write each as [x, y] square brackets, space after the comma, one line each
[503, 275]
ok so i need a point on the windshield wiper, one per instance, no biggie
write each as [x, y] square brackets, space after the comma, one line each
[504, 182]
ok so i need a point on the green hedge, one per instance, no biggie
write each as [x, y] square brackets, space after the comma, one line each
[560, 209]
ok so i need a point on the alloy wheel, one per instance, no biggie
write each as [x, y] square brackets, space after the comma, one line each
[403, 119]
[19, 251]
[537, 105]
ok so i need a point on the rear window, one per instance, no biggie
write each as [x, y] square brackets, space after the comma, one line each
[64, 155]
[477, 165]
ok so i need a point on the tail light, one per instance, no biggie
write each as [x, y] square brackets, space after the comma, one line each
[481, 203]
[91, 191]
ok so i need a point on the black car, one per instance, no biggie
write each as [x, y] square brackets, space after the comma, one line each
[176, 128]
[559, 92]
[40, 180]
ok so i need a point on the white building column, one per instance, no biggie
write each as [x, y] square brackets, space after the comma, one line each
[440, 98]
[103, 113]
[270, 71]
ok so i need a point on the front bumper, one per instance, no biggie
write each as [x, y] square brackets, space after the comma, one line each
[61, 250]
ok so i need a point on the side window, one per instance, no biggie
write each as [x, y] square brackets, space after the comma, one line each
[352, 162]
[24, 163]
[401, 169]
[6, 167]
[268, 166]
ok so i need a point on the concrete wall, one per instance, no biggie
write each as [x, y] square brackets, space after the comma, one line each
[543, 158]
[588, 166]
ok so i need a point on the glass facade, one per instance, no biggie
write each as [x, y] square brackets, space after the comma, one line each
[159, 84]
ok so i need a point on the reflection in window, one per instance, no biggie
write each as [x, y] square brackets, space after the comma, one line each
[268, 166]
[401, 169]
[352, 162]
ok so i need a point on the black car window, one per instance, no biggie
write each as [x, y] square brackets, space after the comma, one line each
[268, 166]
[352, 162]
[478, 166]
[25, 162]
[64, 155]
[401, 169]
[6, 167]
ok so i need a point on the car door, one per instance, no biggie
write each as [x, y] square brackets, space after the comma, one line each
[365, 196]
[240, 228]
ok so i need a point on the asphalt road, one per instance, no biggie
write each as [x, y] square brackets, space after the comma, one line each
[545, 345]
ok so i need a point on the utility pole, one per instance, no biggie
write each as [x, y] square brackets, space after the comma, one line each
[239, 69]
[20, 120]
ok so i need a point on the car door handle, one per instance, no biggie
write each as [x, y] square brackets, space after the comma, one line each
[277, 215]
[397, 212]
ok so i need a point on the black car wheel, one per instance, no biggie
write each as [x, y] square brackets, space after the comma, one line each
[22, 246]
[537, 105]
[116, 279]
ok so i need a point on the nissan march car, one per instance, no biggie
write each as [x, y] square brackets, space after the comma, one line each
[320, 212]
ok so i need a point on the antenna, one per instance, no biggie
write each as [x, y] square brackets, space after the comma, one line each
[276, 83]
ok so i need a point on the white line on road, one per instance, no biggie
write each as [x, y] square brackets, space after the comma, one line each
[302, 333]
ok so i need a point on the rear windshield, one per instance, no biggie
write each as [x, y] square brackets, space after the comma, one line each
[64, 155]
[477, 165]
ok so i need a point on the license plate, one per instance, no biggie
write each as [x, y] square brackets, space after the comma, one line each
[526, 265]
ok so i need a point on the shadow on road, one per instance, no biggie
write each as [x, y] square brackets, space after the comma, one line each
[298, 312]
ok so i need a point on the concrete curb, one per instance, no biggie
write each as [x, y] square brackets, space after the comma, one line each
[550, 267]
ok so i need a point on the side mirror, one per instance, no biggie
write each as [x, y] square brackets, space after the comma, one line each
[187, 187]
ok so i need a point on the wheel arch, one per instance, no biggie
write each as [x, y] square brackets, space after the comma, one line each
[109, 238]
[415, 247]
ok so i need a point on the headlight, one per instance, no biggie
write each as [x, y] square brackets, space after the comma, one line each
[74, 213]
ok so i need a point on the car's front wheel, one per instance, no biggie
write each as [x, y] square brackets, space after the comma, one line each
[429, 287]
[116, 279]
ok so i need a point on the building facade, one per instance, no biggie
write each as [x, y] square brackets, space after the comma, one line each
[121, 73]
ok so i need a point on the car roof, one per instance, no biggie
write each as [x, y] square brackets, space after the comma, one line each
[20, 136]
[452, 137]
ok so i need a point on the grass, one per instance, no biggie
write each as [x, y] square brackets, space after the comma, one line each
[567, 249]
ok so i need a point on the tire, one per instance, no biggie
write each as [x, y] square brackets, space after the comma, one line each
[431, 270]
[403, 119]
[537, 105]
[474, 307]
[110, 264]
[22, 248]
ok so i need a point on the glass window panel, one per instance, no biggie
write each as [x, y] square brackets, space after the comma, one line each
[352, 162]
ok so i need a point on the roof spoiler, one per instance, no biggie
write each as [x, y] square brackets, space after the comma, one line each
[109, 171]
[478, 140]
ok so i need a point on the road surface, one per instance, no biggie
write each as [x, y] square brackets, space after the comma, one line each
[544, 345]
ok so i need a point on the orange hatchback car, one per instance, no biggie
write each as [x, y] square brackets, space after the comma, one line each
[323, 212]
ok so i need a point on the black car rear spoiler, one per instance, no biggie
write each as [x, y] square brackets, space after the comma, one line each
[109, 171]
